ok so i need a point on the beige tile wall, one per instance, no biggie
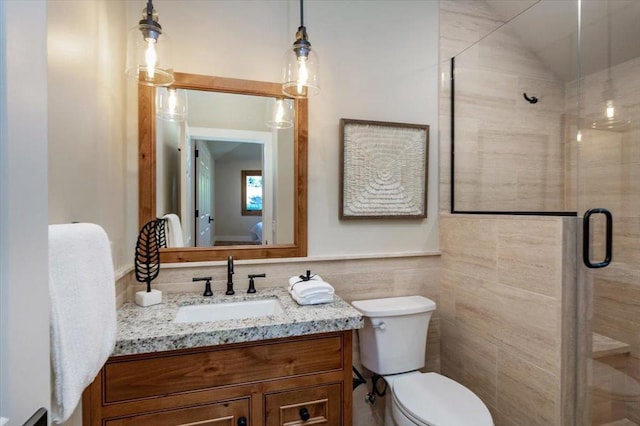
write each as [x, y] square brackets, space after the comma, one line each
[502, 312]
[609, 164]
[353, 279]
[609, 171]
[509, 153]
[124, 279]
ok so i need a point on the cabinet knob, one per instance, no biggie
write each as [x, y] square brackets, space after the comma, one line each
[242, 421]
[304, 414]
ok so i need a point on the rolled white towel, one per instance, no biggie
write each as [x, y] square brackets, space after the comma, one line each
[312, 300]
[311, 292]
[298, 279]
[311, 287]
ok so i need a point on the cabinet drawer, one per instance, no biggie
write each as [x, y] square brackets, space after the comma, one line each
[219, 414]
[213, 367]
[320, 405]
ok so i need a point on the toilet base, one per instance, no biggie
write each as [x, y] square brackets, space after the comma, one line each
[392, 414]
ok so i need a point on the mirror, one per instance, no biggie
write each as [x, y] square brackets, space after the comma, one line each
[252, 202]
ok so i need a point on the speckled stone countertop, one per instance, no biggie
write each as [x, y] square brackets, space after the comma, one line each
[152, 329]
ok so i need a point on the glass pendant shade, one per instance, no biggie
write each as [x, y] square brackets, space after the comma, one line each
[300, 78]
[171, 104]
[279, 113]
[612, 115]
[148, 51]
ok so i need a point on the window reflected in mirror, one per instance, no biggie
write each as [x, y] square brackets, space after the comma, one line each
[251, 182]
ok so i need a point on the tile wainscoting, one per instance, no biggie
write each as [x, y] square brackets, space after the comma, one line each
[506, 313]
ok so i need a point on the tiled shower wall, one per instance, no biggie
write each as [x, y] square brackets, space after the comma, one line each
[609, 164]
[506, 306]
[507, 293]
[509, 153]
[609, 177]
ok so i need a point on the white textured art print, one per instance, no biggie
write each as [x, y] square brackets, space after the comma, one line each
[384, 173]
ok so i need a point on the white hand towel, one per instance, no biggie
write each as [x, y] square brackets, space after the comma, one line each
[83, 311]
[298, 279]
[312, 300]
[314, 285]
[312, 291]
[173, 230]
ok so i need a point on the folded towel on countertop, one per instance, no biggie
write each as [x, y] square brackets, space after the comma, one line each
[312, 300]
[312, 291]
[83, 311]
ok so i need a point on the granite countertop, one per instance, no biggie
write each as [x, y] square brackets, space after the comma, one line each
[151, 329]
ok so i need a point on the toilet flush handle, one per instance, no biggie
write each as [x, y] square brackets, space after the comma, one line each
[380, 325]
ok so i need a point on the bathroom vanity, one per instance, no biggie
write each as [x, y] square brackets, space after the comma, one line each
[291, 368]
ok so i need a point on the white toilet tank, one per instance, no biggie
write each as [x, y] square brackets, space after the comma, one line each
[394, 337]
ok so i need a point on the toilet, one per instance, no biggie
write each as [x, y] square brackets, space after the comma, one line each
[392, 345]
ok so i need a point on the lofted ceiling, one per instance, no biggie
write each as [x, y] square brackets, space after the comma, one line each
[550, 29]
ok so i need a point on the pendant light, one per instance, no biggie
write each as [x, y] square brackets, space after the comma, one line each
[148, 55]
[279, 113]
[171, 104]
[301, 65]
[612, 115]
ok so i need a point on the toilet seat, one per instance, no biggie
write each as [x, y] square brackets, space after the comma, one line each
[431, 399]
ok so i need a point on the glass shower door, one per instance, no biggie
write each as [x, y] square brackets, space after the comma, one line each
[608, 199]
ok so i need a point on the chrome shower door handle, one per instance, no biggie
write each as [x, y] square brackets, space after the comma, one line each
[586, 238]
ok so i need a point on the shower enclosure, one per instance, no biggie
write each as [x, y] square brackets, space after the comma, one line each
[545, 121]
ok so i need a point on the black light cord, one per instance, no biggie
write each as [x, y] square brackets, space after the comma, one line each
[301, 13]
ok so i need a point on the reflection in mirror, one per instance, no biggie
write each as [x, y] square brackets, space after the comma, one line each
[200, 165]
[191, 170]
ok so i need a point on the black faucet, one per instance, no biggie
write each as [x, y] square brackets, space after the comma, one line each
[230, 291]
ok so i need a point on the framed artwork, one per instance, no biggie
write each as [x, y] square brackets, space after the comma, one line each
[384, 168]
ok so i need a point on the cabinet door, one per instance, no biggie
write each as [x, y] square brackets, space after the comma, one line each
[320, 405]
[230, 413]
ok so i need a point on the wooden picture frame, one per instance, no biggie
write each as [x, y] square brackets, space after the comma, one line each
[384, 170]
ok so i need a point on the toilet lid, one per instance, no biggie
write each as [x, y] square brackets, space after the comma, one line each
[436, 400]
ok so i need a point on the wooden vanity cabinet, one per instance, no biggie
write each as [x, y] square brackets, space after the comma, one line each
[286, 382]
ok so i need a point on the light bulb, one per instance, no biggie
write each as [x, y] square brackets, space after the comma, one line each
[610, 111]
[279, 111]
[151, 58]
[579, 137]
[303, 73]
[172, 101]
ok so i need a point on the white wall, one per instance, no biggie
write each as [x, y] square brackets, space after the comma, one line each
[24, 293]
[87, 118]
[378, 62]
[284, 180]
[168, 134]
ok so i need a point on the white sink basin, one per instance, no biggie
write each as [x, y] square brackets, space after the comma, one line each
[229, 310]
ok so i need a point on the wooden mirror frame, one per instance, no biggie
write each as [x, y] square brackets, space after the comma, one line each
[147, 169]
